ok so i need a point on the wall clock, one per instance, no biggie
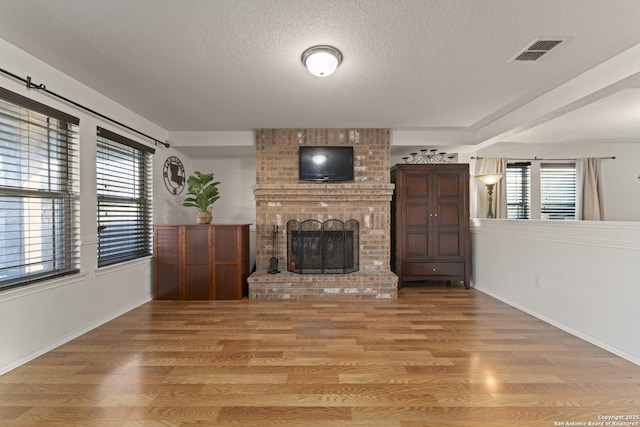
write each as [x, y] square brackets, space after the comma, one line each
[173, 173]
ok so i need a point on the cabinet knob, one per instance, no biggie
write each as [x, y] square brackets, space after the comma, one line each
[430, 214]
[435, 214]
[434, 269]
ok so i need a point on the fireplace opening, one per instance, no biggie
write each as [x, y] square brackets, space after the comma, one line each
[329, 247]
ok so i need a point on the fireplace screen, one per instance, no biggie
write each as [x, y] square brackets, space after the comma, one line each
[330, 247]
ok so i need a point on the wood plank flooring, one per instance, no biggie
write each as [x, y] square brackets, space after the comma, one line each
[436, 356]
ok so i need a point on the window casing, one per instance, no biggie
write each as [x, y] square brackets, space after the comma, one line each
[518, 190]
[39, 191]
[124, 188]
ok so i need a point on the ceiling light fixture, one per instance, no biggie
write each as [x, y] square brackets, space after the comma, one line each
[322, 60]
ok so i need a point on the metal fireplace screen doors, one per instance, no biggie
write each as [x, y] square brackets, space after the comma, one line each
[329, 247]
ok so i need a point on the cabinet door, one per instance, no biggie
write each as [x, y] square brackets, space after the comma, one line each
[228, 273]
[197, 265]
[446, 215]
[167, 263]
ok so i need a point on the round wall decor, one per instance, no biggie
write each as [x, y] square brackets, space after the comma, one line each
[173, 173]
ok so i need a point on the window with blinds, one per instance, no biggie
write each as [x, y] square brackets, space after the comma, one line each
[124, 187]
[518, 183]
[39, 191]
[558, 190]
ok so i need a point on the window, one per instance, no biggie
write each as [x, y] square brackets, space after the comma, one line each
[537, 190]
[558, 190]
[38, 191]
[124, 198]
[518, 190]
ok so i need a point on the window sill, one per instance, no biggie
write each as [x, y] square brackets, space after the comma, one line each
[125, 265]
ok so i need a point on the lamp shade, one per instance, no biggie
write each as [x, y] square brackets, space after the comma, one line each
[321, 61]
[489, 178]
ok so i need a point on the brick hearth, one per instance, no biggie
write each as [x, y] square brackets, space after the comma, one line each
[280, 196]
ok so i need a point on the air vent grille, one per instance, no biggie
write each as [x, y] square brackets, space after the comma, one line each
[544, 45]
[529, 56]
[537, 49]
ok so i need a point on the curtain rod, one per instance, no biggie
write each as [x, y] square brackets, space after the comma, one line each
[42, 87]
[540, 158]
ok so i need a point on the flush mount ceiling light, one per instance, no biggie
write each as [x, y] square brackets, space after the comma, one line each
[321, 61]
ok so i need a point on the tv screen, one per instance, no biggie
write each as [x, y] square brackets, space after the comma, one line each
[326, 163]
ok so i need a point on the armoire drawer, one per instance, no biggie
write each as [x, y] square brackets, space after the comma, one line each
[433, 269]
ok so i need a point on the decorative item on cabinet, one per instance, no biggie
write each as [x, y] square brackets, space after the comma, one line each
[431, 157]
[193, 262]
[203, 193]
[430, 223]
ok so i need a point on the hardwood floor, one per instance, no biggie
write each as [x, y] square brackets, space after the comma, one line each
[436, 356]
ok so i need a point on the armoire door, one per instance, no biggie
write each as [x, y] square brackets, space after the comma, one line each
[415, 215]
[446, 215]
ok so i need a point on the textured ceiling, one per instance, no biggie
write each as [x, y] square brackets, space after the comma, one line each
[221, 65]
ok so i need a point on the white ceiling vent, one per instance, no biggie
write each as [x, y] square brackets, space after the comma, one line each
[537, 49]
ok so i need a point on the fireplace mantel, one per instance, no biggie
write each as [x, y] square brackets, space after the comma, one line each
[323, 192]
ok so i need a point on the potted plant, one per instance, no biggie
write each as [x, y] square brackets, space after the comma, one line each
[203, 193]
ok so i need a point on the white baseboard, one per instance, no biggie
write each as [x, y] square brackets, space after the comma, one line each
[70, 336]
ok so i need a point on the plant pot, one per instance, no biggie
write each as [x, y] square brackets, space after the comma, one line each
[204, 217]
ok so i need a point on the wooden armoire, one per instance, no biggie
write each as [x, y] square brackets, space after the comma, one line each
[430, 223]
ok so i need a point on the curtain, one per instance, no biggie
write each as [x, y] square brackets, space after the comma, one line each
[491, 165]
[589, 197]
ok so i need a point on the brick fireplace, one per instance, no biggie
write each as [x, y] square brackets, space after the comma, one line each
[281, 197]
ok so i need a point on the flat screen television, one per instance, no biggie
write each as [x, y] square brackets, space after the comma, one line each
[326, 163]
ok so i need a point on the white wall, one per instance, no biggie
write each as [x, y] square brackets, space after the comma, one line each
[580, 276]
[39, 317]
[168, 207]
[621, 186]
[237, 176]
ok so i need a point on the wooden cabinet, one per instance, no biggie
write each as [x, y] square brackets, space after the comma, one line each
[430, 223]
[201, 262]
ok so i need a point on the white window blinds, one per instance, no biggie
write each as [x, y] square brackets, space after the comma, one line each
[518, 190]
[124, 186]
[558, 190]
[39, 191]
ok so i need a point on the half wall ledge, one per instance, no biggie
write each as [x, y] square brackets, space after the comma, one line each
[360, 284]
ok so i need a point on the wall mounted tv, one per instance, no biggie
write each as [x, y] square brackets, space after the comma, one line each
[326, 163]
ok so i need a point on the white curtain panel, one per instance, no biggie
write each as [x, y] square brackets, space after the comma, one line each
[589, 197]
[492, 165]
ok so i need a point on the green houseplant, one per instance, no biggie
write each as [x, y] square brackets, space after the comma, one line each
[202, 192]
